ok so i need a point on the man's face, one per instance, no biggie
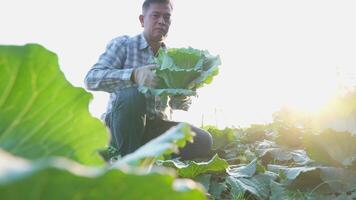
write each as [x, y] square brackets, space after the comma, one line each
[156, 21]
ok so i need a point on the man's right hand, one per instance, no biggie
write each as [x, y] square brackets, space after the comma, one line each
[144, 76]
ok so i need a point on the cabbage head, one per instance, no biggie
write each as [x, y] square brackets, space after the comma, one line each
[182, 71]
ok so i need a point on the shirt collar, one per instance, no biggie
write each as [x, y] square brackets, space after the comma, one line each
[144, 43]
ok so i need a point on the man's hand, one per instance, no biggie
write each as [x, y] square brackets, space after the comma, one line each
[180, 102]
[144, 76]
[181, 98]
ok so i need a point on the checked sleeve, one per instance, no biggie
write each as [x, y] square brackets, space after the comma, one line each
[108, 74]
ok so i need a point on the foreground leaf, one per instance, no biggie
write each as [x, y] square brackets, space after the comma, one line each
[193, 169]
[63, 179]
[41, 113]
[166, 143]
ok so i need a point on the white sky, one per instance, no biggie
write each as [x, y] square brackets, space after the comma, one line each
[274, 53]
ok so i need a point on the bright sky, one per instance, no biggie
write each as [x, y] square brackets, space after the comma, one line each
[274, 53]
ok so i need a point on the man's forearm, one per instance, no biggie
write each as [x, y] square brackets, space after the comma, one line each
[107, 79]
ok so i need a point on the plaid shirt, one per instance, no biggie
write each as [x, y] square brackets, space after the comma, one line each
[113, 70]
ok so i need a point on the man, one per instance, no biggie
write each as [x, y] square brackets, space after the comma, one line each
[134, 118]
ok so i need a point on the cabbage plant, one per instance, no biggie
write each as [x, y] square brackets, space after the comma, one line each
[183, 70]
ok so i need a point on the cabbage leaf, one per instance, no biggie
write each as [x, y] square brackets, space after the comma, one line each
[182, 71]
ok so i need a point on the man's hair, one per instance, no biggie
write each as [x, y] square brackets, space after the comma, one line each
[146, 4]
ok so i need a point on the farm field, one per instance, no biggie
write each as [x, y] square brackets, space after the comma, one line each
[52, 148]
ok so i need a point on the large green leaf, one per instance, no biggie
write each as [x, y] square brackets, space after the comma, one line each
[192, 169]
[205, 180]
[339, 179]
[331, 147]
[180, 59]
[257, 186]
[55, 178]
[183, 70]
[246, 171]
[278, 192]
[41, 113]
[217, 189]
[177, 79]
[179, 67]
[210, 69]
[166, 143]
[303, 178]
[249, 179]
[318, 179]
[270, 152]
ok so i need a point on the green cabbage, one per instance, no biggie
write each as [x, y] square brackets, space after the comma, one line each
[182, 71]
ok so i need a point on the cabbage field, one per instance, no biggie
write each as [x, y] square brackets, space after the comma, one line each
[52, 148]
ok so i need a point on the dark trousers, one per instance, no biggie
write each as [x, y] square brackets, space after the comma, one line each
[130, 128]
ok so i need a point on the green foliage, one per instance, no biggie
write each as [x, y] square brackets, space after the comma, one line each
[191, 169]
[289, 172]
[42, 117]
[218, 188]
[278, 192]
[221, 138]
[332, 147]
[290, 136]
[271, 153]
[342, 105]
[41, 113]
[289, 117]
[247, 170]
[256, 187]
[109, 153]
[317, 179]
[205, 180]
[255, 132]
[54, 178]
[182, 71]
[249, 180]
[166, 143]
